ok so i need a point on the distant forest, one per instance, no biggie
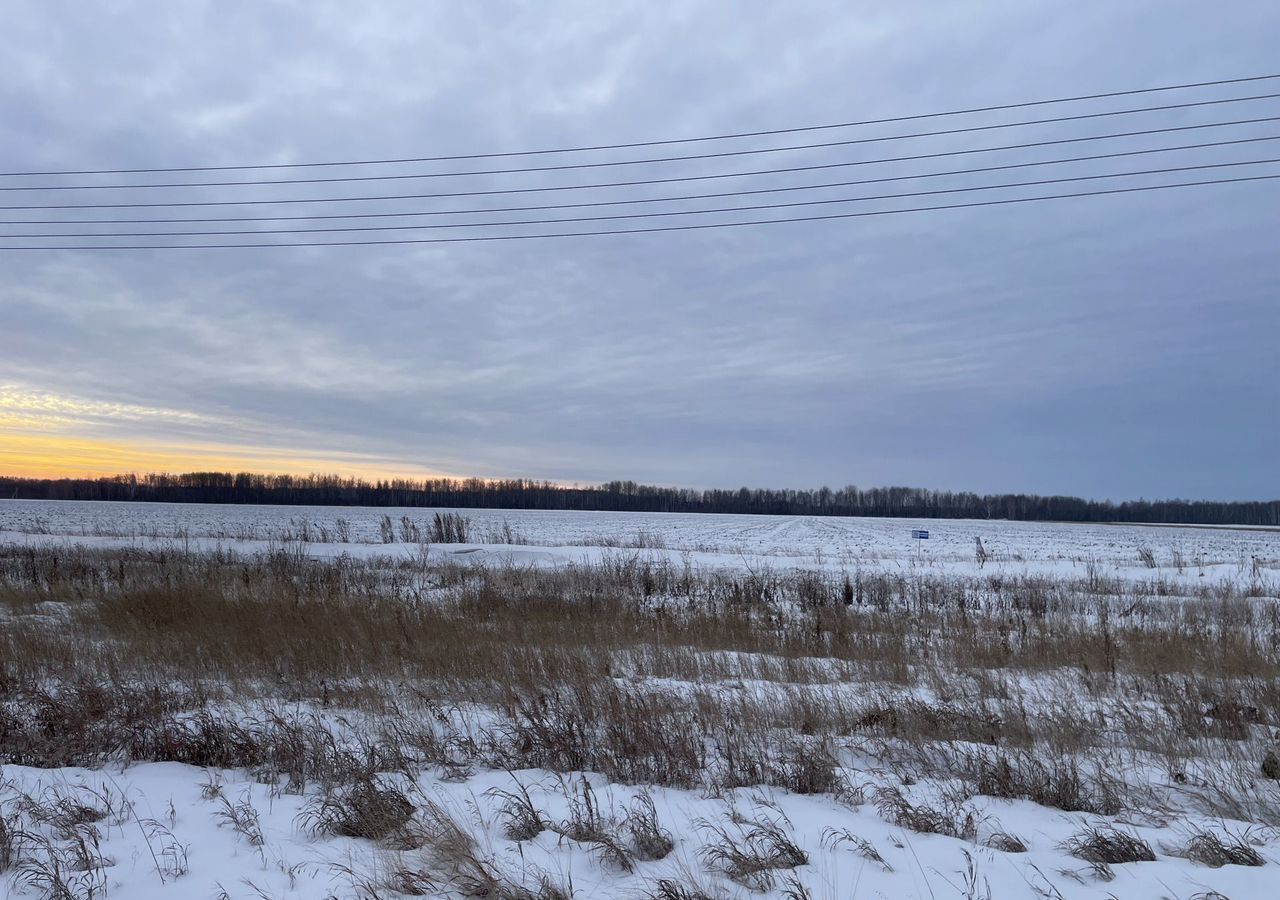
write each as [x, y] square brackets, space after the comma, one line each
[519, 493]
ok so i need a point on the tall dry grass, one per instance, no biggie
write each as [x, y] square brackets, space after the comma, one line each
[1068, 692]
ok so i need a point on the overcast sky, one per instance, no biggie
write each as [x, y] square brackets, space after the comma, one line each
[1115, 346]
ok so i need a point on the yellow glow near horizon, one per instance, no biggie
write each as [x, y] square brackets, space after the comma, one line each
[45, 455]
[46, 434]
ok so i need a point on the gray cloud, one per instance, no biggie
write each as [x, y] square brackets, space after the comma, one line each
[1104, 346]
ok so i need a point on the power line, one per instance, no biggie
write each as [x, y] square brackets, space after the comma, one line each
[631, 202]
[662, 228]
[647, 215]
[648, 181]
[657, 143]
[633, 162]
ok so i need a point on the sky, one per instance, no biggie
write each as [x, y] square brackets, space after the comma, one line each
[1116, 346]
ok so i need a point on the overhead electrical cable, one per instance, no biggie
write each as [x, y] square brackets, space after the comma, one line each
[634, 201]
[646, 215]
[656, 143]
[649, 230]
[344, 179]
[650, 181]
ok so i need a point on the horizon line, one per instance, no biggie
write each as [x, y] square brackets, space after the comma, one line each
[600, 486]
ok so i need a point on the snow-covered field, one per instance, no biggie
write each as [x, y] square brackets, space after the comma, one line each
[279, 702]
[830, 543]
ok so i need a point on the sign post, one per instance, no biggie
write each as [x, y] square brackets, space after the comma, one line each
[918, 535]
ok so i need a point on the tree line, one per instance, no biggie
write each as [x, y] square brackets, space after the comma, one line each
[628, 496]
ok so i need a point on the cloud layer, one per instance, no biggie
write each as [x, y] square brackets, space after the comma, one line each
[1110, 346]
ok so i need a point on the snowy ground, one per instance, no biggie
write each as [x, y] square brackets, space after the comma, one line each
[548, 537]
[167, 836]
[139, 829]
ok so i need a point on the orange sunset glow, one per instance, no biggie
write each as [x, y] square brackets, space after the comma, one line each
[44, 434]
[62, 456]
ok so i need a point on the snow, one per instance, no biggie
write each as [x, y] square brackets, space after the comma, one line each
[736, 541]
[164, 836]
[291, 863]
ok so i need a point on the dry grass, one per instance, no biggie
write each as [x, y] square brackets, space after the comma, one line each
[649, 840]
[752, 851]
[452, 864]
[364, 810]
[10, 834]
[1054, 781]
[242, 818]
[588, 824]
[51, 842]
[951, 817]
[670, 889]
[1050, 690]
[1107, 845]
[1006, 842]
[1216, 850]
[522, 820]
[834, 838]
[53, 872]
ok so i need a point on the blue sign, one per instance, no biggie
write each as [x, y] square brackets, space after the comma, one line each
[920, 535]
